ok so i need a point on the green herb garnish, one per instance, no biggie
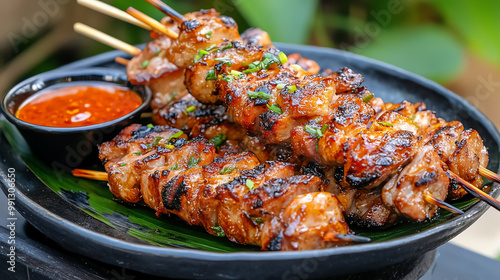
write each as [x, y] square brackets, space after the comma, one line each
[123, 164]
[137, 153]
[145, 63]
[386, 124]
[250, 184]
[175, 167]
[218, 140]
[209, 34]
[227, 169]
[275, 109]
[210, 75]
[226, 60]
[169, 146]
[368, 98]
[190, 109]
[193, 161]
[201, 53]
[155, 142]
[260, 94]
[230, 45]
[313, 131]
[257, 220]
[150, 125]
[291, 89]
[219, 232]
[324, 128]
[176, 135]
[280, 86]
[283, 58]
[237, 74]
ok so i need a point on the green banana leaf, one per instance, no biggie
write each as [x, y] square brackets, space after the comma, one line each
[94, 198]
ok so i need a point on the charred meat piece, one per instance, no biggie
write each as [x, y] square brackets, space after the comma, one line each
[425, 175]
[200, 32]
[136, 148]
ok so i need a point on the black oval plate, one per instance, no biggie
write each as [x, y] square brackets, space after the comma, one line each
[79, 232]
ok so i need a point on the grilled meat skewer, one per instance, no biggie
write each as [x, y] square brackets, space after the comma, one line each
[233, 194]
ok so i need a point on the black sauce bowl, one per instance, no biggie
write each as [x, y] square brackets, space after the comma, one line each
[65, 148]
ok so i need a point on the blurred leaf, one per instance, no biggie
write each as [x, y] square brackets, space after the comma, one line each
[285, 20]
[428, 50]
[478, 23]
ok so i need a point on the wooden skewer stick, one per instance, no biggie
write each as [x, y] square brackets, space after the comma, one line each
[432, 200]
[489, 174]
[112, 12]
[89, 174]
[351, 238]
[154, 24]
[476, 192]
[167, 10]
[105, 39]
[121, 60]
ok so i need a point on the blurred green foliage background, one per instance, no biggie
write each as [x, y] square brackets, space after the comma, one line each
[430, 38]
[412, 34]
[455, 43]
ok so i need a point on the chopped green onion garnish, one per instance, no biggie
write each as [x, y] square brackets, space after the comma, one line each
[137, 153]
[235, 73]
[200, 54]
[260, 94]
[175, 167]
[251, 70]
[150, 125]
[155, 142]
[257, 220]
[218, 140]
[227, 47]
[193, 161]
[190, 109]
[219, 232]
[210, 48]
[275, 109]
[169, 146]
[283, 58]
[368, 98]
[250, 184]
[385, 123]
[412, 117]
[291, 89]
[228, 78]
[227, 169]
[324, 128]
[176, 135]
[145, 63]
[210, 75]
[313, 131]
[123, 164]
[280, 86]
[209, 34]
[226, 60]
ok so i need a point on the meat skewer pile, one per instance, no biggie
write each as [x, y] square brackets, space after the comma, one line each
[380, 161]
[231, 194]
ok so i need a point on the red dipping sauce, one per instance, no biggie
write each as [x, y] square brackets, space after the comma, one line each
[78, 106]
